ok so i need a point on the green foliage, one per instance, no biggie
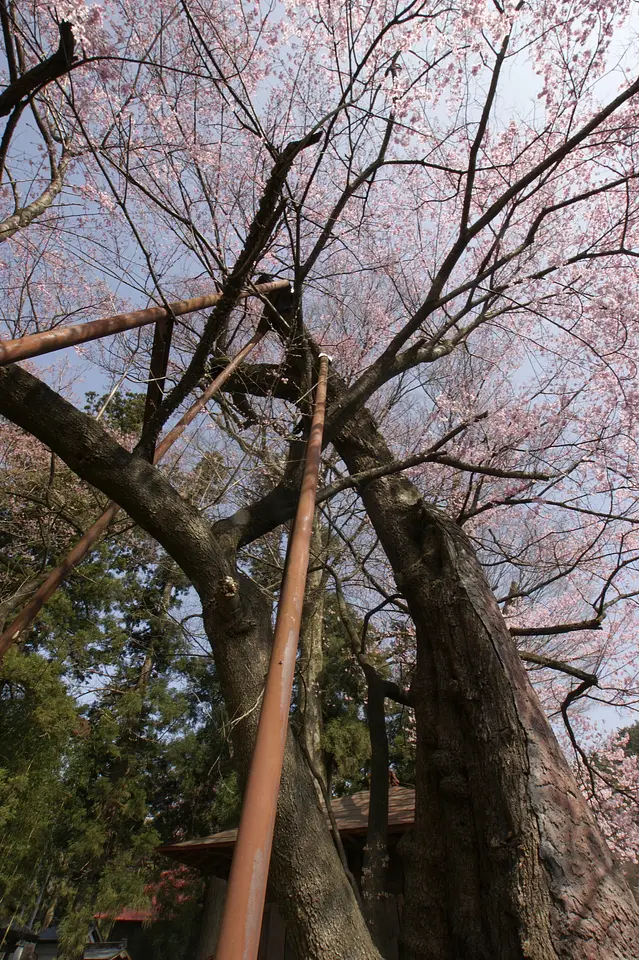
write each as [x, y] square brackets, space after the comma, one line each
[401, 737]
[632, 747]
[72, 932]
[124, 411]
[38, 721]
[113, 736]
[118, 734]
[227, 804]
[346, 739]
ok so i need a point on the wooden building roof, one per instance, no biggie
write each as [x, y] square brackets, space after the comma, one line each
[351, 814]
[106, 951]
[127, 916]
[11, 933]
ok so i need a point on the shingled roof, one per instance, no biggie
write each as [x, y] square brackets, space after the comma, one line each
[351, 814]
[106, 951]
[11, 932]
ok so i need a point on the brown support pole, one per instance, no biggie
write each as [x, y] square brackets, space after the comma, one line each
[82, 547]
[49, 340]
[244, 906]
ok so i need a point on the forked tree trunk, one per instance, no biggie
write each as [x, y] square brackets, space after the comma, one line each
[505, 860]
[310, 885]
[313, 891]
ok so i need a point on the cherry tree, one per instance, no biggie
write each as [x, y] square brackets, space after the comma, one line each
[451, 190]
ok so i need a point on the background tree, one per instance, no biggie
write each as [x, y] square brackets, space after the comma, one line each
[470, 260]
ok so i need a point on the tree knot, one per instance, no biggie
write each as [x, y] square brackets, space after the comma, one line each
[227, 589]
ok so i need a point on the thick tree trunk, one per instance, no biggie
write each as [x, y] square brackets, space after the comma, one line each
[315, 896]
[311, 888]
[505, 859]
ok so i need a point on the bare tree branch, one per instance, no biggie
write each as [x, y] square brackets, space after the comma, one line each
[552, 664]
[557, 628]
[37, 77]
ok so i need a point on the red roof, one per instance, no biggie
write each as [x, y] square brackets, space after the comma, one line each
[127, 916]
[351, 814]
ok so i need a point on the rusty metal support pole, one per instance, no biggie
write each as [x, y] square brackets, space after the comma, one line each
[60, 337]
[242, 919]
[82, 547]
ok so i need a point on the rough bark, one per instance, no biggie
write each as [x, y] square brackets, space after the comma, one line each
[311, 888]
[125, 477]
[22, 217]
[45, 72]
[505, 859]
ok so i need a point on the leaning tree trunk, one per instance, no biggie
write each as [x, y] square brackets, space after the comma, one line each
[505, 860]
[311, 887]
[314, 893]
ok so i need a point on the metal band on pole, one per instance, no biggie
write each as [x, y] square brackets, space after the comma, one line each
[242, 919]
[60, 337]
[82, 547]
